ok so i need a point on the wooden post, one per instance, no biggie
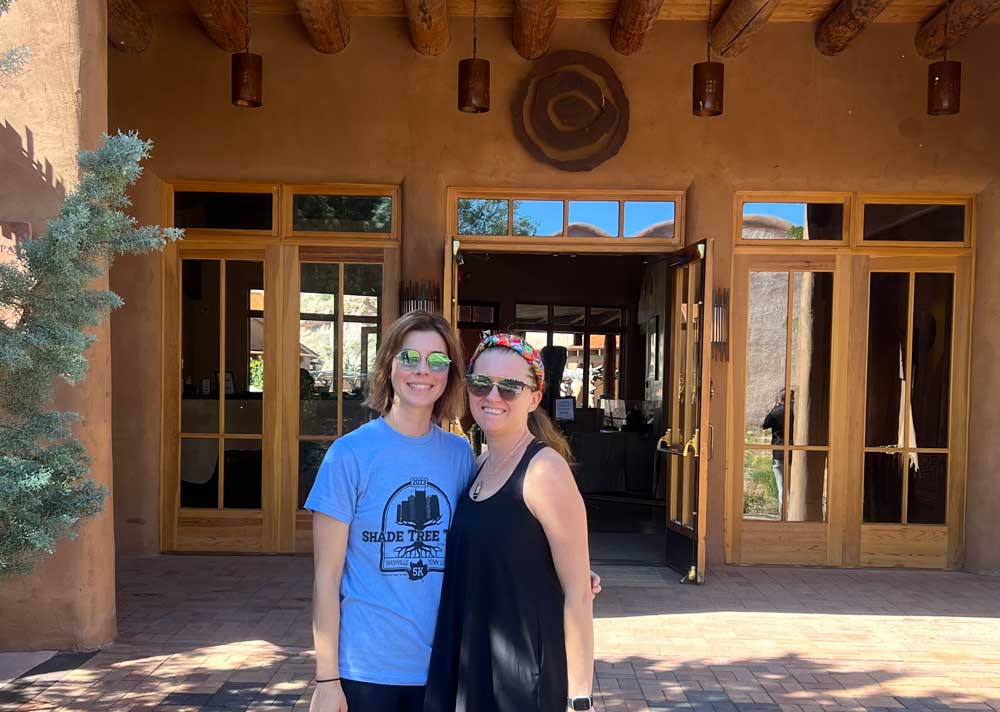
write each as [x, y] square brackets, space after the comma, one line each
[534, 21]
[845, 23]
[225, 21]
[327, 23]
[129, 27]
[633, 21]
[428, 25]
[963, 18]
[739, 23]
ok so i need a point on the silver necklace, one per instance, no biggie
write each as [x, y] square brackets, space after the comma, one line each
[479, 485]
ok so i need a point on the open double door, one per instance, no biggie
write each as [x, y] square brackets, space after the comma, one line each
[684, 450]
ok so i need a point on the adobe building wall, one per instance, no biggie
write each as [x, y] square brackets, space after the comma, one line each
[379, 112]
[55, 107]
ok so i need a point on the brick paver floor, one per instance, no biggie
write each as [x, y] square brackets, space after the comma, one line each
[233, 633]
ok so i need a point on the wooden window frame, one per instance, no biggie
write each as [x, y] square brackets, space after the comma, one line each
[172, 187]
[864, 199]
[290, 190]
[740, 198]
[523, 243]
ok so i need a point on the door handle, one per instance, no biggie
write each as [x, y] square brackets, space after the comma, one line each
[692, 444]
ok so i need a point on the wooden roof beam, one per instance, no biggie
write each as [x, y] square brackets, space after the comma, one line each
[739, 23]
[633, 21]
[327, 23]
[225, 21]
[845, 23]
[534, 21]
[963, 18]
[428, 25]
[129, 26]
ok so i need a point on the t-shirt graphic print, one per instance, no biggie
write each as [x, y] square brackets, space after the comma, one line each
[415, 523]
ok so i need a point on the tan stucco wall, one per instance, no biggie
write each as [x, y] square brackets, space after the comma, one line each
[378, 112]
[57, 106]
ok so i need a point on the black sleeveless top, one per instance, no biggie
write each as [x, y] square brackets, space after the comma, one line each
[499, 645]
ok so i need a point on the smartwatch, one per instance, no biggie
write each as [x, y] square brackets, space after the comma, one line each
[580, 703]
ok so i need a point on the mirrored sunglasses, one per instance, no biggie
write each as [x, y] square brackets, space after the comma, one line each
[409, 359]
[480, 386]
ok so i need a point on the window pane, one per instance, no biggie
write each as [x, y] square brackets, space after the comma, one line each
[362, 309]
[243, 469]
[200, 473]
[807, 486]
[199, 346]
[318, 391]
[883, 487]
[762, 475]
[572, 378]
[477, 216]
[531, 314]
[927, 492]
[812, 330]
[887, 324]
[342, 213]
[243, 382]
[311, 453]
[605, 378]
[538, 340]
[538, 217]
[223, 211]
[593, 218]
[793, 221]
[569, 316]
[648, 218]
[915, 223]
[767, 335]
[605, 318]
[931, 368]
[484, 315]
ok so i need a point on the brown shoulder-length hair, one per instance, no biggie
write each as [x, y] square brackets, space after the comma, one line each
[451, 404]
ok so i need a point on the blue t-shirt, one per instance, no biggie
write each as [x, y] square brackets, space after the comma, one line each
[398, 493]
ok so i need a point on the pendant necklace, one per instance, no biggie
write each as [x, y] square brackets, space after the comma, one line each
[517, 446]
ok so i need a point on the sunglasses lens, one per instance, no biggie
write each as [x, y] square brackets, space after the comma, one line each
[438, 362]
[408, 358]
[509, 390]
[479, 386]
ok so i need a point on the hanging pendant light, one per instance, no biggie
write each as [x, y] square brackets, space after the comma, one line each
[248, 73]
[709, 77]
[474, 75]
[944, 79]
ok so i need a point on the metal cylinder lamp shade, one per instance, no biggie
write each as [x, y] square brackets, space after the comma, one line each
[474, 85]
[248, 79]
[708, 88]
[944, 88]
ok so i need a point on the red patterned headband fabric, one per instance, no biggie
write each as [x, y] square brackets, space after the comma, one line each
[519, 346]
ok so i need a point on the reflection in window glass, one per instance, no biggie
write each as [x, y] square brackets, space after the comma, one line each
[649, 218]
[887, 325]
[200, 473]
[342, 213]
[479, 216]
[927, 491]
[605, 376]
[605, 318]
[362, 309]
[793, 221]
[243, 468]
[531, 314]
[569, 316]
[200, 307]
[593, 218]
[572, 381]
[931, 368]
[537, 339]
[223, 211]
[812, 331]
[318, 391]
[538, 217]
[762, 475]
[914, 223]
[243, 383]
[883, 501]
[807, 485]
[311, 453]
[767, 333]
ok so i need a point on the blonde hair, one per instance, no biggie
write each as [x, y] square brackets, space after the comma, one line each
[451, 404]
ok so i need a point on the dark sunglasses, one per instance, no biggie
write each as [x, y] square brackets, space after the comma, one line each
[409, 359]
[480, 386]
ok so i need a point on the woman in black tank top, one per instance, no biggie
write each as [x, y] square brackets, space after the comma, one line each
[515, 625]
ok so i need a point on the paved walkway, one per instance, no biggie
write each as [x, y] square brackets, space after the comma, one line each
[232, 633]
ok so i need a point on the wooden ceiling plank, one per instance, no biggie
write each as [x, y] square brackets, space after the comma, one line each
[964, 16]
[129, 26]
[633, 21]
[327, 24]
[845, 23]
[534, 21]
[225, 21]
[742, 20]
[428, 20]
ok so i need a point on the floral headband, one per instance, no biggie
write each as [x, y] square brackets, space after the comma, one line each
[519, 346]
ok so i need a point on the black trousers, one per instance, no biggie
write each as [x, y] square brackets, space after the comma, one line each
[370, 697]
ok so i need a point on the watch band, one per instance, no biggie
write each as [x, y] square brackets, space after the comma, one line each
[582, 702]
